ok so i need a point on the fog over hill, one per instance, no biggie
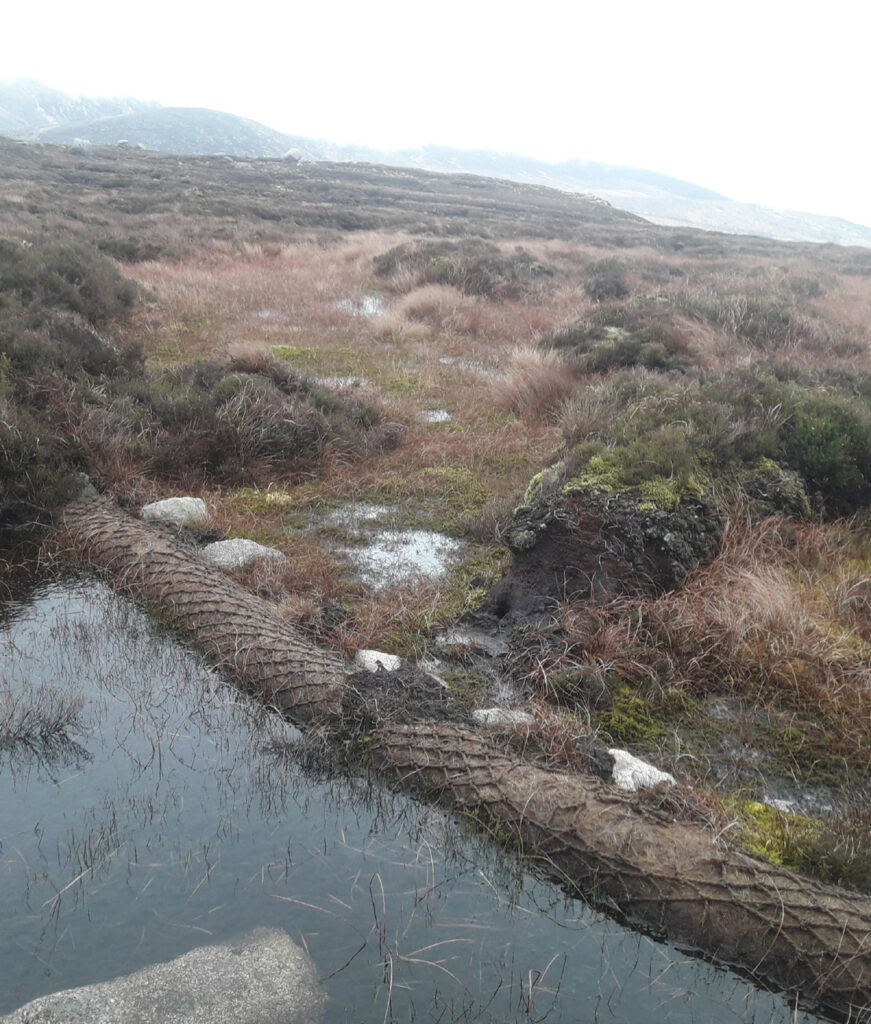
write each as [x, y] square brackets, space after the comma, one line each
[28, 108]
[33, 112]
[656, 197]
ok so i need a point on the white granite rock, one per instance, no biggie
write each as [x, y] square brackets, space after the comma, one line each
[239, 553]
[181, 511]
[503, 716]
[371, 661]
[260, 978]
[631, 773]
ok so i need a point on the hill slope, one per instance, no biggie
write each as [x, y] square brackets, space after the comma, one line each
[185, 130]
[31, 111]
[28, 107]
[656, 197]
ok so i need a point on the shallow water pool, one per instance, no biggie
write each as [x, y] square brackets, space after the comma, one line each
[178, 812]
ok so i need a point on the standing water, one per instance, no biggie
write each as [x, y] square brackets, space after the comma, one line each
[167, 811]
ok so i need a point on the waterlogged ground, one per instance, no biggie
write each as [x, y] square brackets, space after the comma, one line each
[384, 553]
[181, 814]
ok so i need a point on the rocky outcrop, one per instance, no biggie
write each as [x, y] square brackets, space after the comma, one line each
[499, 717]
[261, 978]
[371, 661]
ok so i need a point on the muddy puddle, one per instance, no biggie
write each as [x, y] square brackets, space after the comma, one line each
[384, 553]
[170, 811]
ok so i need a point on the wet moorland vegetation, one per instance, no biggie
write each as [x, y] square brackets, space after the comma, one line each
[526, 372]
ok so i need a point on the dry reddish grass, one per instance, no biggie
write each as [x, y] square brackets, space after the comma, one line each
[847, 300]
[534, 384]
[503, 394]
[781, 617]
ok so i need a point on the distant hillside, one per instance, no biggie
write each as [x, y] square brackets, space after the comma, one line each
[31, 111]
[656, 197]
[27, 108]
[185, 130]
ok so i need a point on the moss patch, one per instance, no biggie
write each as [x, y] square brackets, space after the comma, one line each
[296, 355]
[778, 835]
[630, 720]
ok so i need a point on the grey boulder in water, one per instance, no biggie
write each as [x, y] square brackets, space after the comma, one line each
[260, 978]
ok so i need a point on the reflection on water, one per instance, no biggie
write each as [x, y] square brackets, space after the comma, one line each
[365, 306]
[181, 813]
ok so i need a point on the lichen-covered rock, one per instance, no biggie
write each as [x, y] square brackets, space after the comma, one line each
[528, 525]
[240, 553]
[182, 511]
[773, 491]
[260, 978]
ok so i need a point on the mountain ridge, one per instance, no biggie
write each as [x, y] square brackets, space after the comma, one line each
[30, 111]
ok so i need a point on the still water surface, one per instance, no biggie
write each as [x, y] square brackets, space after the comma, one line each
[184, 814]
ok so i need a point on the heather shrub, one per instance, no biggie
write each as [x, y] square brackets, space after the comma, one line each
[471, 265]
[34, 471]
[52, 297]
[202, 422]
[73, 401]
[606, 279]
[133, 249]
[827, 438]
[645, 333]
[670, 439]
[68, 274]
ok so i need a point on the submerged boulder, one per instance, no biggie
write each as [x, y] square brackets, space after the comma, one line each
[260, 978]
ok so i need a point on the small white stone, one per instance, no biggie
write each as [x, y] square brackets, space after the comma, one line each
[372, 661]
[631, 773]
[239, 553]
[503, 716]
[182, 511]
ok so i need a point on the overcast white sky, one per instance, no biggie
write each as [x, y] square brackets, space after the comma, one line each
[765, 101]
